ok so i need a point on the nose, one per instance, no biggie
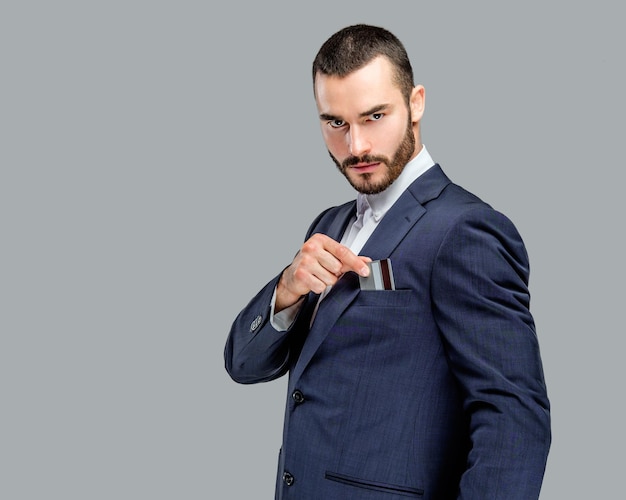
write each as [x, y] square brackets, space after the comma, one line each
[359, 143]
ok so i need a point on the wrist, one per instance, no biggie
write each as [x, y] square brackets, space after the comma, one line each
[284, 298]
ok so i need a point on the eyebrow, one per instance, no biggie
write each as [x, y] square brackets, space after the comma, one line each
[376, 109]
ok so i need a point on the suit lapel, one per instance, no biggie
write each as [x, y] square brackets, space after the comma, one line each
[393, 227]
[330, 309]
[398, 221]
[339, 223]
[405, 213]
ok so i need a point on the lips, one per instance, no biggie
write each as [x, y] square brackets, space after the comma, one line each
[364, 168]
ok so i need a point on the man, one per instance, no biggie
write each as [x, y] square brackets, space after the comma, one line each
[403, 321]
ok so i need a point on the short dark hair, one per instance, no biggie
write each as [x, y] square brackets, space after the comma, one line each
[355, 46]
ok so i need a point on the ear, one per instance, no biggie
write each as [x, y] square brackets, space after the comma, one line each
[418, 97]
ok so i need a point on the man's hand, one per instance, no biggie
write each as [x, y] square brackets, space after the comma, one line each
[320, 263]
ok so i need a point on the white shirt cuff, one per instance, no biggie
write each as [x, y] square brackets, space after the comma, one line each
[283, 320]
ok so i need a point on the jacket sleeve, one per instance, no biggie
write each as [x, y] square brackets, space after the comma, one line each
[255, 351]
[481, 304]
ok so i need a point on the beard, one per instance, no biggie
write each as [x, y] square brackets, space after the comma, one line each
[394, 165]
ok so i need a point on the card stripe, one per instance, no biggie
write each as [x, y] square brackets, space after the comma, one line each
[377, 275]
[384, 267]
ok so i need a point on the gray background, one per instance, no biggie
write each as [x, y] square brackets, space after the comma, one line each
[160, 161]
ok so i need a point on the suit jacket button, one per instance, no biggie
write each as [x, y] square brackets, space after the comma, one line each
[256, 323]
[288, 479]
[298, 397]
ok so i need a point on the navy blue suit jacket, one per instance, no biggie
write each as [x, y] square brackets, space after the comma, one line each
[434, 390]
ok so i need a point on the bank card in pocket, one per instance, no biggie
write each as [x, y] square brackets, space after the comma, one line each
[380, 277]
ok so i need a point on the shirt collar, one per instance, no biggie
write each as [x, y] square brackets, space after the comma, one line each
[379, 203]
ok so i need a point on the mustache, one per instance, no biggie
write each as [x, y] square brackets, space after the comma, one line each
[355, 160]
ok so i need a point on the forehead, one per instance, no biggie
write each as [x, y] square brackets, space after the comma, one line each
[369, 86]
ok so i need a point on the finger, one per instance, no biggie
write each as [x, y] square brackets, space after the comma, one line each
[311, 274]
[349, 260]
[320, 278]
[319, 251]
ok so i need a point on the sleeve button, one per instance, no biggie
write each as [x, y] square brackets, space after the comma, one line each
[256, 323]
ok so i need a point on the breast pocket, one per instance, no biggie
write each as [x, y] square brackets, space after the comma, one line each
[384, 298]
[383, 312]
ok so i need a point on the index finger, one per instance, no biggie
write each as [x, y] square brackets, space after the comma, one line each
[349, 260]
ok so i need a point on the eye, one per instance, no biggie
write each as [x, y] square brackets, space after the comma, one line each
[336, 123]
[376, 116]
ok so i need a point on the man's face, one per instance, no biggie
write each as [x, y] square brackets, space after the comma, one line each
[367, 126]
